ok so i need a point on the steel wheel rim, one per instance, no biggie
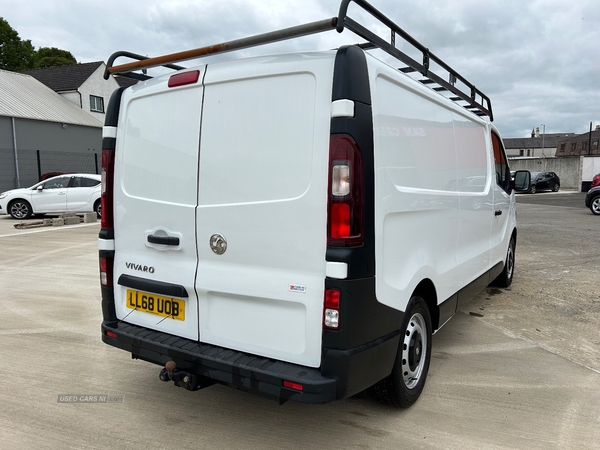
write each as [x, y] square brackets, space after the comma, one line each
[414, 351]
[596, 205]
[510, 261]
[19, 210]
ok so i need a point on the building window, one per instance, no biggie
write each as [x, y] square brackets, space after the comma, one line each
[96, 104]
[528, 152]
[595, 145]
[562, 147]
[521, 152]
[574, 146]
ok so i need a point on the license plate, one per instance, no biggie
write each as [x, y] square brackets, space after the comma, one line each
[156, 304]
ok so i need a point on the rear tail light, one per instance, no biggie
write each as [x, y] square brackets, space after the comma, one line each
[111, 334]
[596, 181]
[106, 271]
[331, 313]
[108, 176]
[345, 195]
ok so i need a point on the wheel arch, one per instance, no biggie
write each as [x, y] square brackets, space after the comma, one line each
[426, 290]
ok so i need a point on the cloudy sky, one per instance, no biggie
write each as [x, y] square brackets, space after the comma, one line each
[536, 60]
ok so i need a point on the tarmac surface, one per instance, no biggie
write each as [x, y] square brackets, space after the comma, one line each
[517, 368]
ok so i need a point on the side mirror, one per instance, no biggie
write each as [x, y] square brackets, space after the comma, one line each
[522, 180]
[40, 188]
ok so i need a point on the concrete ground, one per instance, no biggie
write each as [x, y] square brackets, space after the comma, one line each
[514, 369]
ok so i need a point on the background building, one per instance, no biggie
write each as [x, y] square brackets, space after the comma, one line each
[586, 144]
[41, 132]
[538, 145]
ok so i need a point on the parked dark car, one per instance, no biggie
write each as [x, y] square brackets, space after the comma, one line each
[541, 181]
[592, 200]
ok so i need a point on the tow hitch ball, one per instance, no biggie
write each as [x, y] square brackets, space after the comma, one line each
[183, 379]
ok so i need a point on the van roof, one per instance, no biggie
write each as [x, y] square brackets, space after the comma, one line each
[464, 93]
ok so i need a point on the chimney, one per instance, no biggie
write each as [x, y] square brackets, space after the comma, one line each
[537, 132]
[597, 127]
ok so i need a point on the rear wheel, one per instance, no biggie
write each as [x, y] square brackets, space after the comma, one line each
[556, 187]
[404, 385]
[504, 280]
[20, 209]
[533, 189]
[595, 205]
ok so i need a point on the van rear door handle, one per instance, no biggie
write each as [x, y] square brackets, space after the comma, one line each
[163, 240]
[498, 213]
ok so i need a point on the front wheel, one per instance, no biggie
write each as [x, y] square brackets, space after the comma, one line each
[20, 209]
[595, 205]
[404, 385]
[504, 280]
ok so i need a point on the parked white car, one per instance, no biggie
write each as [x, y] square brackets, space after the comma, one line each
[79, 192]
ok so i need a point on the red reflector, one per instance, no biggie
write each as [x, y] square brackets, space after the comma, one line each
[332, 299]
[340, 220]
[181, 79]
[294, 386]
[110, 334]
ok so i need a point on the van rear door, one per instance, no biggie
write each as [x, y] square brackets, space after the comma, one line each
[156, 173]
[262, 209]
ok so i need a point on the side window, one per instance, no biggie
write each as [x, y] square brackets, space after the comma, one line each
[57, 183]
[500, 164]
[85, 182]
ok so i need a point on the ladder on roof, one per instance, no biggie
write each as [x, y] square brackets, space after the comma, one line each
[465, 93]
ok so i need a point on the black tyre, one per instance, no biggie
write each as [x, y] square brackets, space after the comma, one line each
[404, 385]
[533, 189]
[504, 280]
[98, 209]
[20, 209]
[595, 205]
[556, 187]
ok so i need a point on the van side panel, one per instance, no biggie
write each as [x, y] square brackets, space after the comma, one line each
[432, 190]
[263, 182]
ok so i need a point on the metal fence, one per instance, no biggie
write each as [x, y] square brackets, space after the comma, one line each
[34, 164]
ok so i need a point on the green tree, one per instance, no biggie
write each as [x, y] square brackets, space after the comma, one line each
[52, 56]
[15, 53]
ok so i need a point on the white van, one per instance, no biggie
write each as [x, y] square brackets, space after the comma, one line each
[298, 226]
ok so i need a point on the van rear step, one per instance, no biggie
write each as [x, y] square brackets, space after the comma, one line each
[246, 372]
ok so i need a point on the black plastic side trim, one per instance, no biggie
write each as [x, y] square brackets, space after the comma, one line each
[107, 234]
[447, 309]
[114, 105]
[155, 287]
[362, 318]
[351, 81]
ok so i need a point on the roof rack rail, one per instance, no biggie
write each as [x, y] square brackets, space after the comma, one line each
[476, 101]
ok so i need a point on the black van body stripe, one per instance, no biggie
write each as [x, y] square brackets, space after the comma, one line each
[363, 320]
[114, 105]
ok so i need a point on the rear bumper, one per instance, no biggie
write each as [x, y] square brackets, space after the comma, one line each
[343, 373]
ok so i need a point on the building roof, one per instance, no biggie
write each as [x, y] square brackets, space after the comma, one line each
[25, 97]
[548, 141]
[125, 81]
[64, 78]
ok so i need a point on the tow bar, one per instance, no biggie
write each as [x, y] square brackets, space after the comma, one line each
[183, 379]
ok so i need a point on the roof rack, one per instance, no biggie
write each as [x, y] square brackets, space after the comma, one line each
[465, 93]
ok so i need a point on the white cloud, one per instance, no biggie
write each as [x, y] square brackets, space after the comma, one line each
[534, 59]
